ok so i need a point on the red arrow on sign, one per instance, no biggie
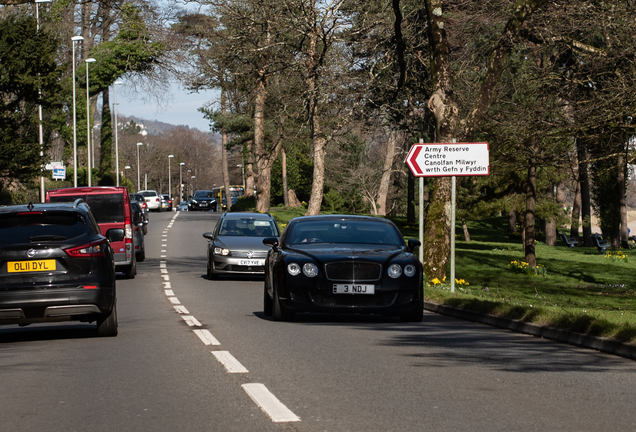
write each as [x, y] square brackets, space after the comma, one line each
[411, 159]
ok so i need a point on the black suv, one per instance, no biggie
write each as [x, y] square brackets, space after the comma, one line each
[203, 200]
[56, 266]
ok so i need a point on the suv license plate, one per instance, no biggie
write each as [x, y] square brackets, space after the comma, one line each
[353, 289]
[31, 266]
[252, 263]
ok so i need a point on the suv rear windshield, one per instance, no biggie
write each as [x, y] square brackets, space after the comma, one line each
[41, 227]
[106, 208]
[149, 194]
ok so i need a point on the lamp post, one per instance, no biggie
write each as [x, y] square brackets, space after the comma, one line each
[169, 182]
[37, 19]
[192, 184]
[74, 39]
[127, 167]
[138, 170]
[88, 122]
[116, 127]
[242, 175]
[181, 182]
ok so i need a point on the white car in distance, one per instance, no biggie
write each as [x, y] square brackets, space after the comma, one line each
[152, 199]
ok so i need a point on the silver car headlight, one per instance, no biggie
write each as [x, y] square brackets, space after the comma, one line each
[221, 251]
[310, 270]
[395, 271]
[293, 269]
[410, 270]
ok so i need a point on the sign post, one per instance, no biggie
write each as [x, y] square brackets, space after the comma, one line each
[447, 160]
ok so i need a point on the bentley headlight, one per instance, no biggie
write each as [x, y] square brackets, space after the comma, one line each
[293, 269]
[410, 270]
[221, 251]
[395, 271]
[194, 201]
[310, 270]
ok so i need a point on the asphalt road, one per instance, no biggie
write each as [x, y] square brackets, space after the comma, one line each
[199, 355]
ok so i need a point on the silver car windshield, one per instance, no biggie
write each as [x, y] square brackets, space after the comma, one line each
[248, 227]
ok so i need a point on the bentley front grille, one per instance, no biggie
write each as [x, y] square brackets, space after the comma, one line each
[350, 271]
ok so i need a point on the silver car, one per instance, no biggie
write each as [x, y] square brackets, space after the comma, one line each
[236, 244]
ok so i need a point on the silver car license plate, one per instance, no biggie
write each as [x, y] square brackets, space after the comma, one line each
[353, 289]
[252, 263]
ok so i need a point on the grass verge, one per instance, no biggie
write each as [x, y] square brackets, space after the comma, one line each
[574, 288]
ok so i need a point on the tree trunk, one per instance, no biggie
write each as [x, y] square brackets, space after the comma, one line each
[317, 139]
[622, 241]
[225, 168]
[586, 203]
[285, 191]
[106, 138]
[465, 228]
[262, 189]
[249, 168]
[576, 212]
[550, 221]
[512, 221]
[386, 172]
[531, 203]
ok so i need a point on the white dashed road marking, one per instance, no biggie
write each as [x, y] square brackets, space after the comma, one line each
[266, 401]
[231, 364]
[181, 309]
[206, 337]
[191, 321]
[269, 403]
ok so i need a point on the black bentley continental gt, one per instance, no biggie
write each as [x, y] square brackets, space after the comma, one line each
[345, 265]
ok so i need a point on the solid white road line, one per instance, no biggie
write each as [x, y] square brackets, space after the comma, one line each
[206, 337]
[191, 321]
[231, 364]
[269, 403]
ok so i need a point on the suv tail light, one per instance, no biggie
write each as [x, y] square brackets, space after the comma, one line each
[94, 249]
[128, 230]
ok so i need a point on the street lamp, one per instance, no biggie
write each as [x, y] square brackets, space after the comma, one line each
[88, 122]
[242, 175]
[74, 39]
[37, 18]
[169, 182]
[181, 182]
[138, 170]
[127, 167]
[116, 127]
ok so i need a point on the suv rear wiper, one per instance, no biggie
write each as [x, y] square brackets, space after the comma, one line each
[47, 237]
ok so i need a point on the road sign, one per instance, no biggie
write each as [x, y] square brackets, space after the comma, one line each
[59, 173]
[49, 166]
[448, 159]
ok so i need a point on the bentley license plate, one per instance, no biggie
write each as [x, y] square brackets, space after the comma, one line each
[31, 266]
[252, 263]
[353, 289]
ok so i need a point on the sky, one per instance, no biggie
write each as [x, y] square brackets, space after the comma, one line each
[179, 108]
